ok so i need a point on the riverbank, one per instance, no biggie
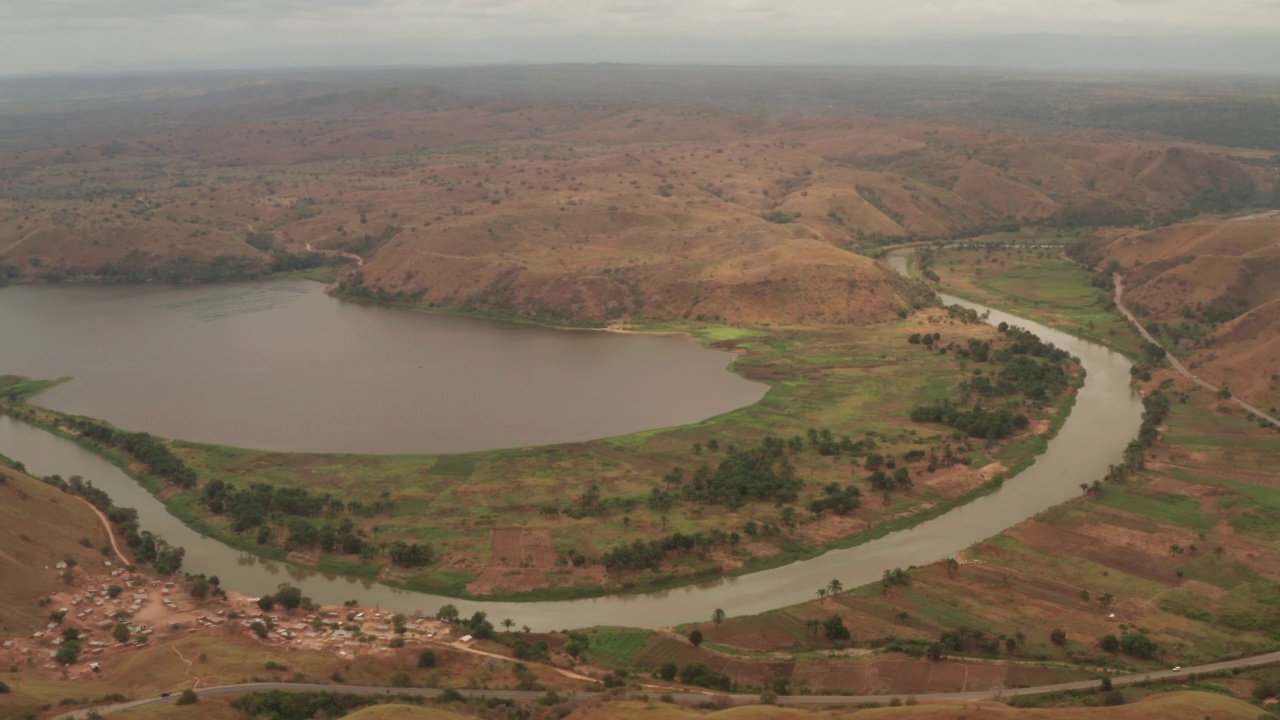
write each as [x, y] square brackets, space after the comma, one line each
[857, 382]
[1171, 562]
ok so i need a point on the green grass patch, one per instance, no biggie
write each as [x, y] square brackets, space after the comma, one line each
[617, 647]
[455, 466]
[1170, 509]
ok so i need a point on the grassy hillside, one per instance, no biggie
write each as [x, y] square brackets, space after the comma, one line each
[40, 527]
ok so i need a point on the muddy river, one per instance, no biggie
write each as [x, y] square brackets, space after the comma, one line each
[1106, 416]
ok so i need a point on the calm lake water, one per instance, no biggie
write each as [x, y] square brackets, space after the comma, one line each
[282, 366]
[1106, 416]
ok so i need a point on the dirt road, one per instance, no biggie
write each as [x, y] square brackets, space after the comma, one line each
[1177, 364]
[690, 698]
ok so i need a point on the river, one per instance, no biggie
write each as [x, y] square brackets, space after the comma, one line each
[1105, 418]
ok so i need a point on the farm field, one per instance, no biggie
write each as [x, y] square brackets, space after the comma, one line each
[1176, 561]
[1026, 274]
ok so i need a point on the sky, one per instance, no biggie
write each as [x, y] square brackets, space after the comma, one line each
[39, 36]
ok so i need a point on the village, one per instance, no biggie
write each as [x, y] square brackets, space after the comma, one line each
[112, 612]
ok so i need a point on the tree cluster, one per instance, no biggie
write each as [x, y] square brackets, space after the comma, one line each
[147, 546]
[160, 461]
[641, 555]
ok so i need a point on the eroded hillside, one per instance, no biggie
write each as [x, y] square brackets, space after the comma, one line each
[1212, 290]
[569, 211]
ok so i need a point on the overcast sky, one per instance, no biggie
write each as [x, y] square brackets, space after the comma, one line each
[59, 35]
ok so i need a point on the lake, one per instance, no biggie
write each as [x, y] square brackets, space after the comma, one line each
[279, 365]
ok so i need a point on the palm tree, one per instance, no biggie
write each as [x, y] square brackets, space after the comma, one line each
[822, 595]
[717, 616]
[508, 624]
[813, 626]
[834, 587]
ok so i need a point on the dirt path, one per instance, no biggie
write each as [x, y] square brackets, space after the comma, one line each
[197, 678]
[21, 240]
[1177, 364]
[359, 261]
[106, 524]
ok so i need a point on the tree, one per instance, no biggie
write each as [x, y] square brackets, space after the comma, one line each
[1106, 599]
[259, 629]
[717, 616]
[833, 627]
[4, 688]
[667, 671]
[289, 597]
[1058, 636]
[695, 637]
[266, 603]
[66, 654]
[834, 587]
[113, 591]
[935, 652]
[953, 566]
[447, 613]
[1110, 643]
[427, 659]
[121, 633]
[199, 587]
[508, 623]
[188, 697]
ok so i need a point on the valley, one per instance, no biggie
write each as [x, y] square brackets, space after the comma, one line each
[895, 496]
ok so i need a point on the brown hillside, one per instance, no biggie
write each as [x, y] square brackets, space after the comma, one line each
[1223, 277]
[1245, 353]
[578, 211]
[40, 526]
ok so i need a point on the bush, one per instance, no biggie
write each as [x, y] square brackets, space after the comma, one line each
[188, 697]
[427, 659]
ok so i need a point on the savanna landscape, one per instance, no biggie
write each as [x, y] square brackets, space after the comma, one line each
[605, 200]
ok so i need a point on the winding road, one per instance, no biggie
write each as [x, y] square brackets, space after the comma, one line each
[690, 698]
[1177, 364]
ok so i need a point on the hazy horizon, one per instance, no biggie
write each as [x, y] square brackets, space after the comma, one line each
[67, 36]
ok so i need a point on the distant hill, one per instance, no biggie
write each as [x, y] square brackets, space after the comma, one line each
[575, 211]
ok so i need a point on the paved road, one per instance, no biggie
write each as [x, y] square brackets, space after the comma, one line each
[689, 698]
[1177, 364]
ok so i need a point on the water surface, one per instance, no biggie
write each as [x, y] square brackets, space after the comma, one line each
[1106, 416]
[282, 366]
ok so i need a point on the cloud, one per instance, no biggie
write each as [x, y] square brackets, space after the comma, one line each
[51, 34]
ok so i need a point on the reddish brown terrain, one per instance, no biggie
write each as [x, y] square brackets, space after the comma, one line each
[566, 211]
[1213, 287]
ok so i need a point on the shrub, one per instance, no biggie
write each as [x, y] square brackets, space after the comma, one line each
[188, 697]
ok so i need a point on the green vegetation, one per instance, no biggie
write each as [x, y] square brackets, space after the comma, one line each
[632, 504]
[1024, 273]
